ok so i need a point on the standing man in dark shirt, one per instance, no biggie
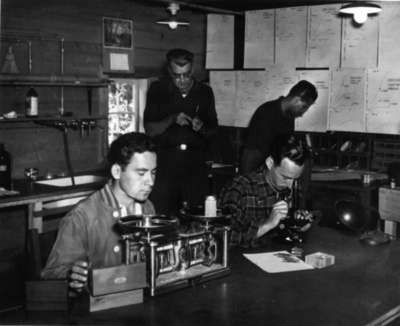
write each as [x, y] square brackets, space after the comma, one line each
[180, 115]
[272, 119]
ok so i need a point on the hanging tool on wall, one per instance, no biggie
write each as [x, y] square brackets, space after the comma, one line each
[61, 108]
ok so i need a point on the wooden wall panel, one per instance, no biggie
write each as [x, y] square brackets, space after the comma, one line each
[79, 23]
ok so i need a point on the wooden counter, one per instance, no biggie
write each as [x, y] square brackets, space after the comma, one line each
[36, 196]
[30, 192]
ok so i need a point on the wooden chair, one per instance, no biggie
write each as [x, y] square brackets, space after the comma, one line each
[44, 219]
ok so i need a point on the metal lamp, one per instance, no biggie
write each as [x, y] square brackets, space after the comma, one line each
[360, 10]
[173, 22]
[352, 216]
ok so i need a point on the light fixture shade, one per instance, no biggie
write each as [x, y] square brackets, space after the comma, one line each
[360, 10]
[172, 22]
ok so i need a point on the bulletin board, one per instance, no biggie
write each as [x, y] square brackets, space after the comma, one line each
[239, 93]
[358, 85]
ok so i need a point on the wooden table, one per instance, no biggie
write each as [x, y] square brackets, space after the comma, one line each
[363, 285]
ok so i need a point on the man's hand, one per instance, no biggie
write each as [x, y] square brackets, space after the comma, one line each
[78, 275]
[183, 119]
[278, 213]
[197, 124]
[305, 217]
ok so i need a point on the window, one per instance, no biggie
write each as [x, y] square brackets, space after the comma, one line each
[126, 103]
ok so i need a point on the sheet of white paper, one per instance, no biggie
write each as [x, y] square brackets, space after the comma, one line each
[278, 261]
[250, 94]
[389, 26]
[316, 117]
[346, 110]
[358, 42]
[382, 113]
[323, 45]
[220, 41]
[259, 35]
[291, 36]
[119, 61]
[223, 84]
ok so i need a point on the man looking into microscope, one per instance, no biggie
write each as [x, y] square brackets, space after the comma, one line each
[86, 237]
[254, 200]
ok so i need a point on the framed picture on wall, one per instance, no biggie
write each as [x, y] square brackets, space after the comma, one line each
[117, 33]
[118, 45]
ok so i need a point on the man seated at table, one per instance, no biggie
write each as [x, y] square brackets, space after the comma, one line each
[255, 200]
[86, 237]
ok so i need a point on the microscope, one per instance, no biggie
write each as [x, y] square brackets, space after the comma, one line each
[291, 229]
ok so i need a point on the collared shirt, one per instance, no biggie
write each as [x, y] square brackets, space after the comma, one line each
[86, 233]
[249, 198]
[165, 99]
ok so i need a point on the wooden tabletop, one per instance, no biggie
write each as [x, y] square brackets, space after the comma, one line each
[363, 285]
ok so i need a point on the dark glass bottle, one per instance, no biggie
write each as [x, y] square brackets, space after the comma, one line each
[32, 103]
[5, 168]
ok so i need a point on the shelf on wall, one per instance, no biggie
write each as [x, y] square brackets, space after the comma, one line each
[54, 118]
[52, 80]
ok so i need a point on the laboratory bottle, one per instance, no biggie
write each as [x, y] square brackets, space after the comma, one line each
[210, 206]
[32, 103]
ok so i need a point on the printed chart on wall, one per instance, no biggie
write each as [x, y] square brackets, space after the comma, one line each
[316, 117]
[259, 38]
[291, 36]
[347, 100]
[223, 84]
[323, 48]
[389, 25]
[239, 93]
[383, 112]
[360, 44]
[251, 93]
[280, 79]
[220, 41]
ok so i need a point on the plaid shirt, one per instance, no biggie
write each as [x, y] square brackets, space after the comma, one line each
[249, 198]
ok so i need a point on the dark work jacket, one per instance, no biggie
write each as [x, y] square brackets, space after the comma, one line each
[267, 123]
[164, 99]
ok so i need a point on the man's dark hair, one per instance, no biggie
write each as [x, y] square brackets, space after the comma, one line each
[305, 90]
[125, 146]
[180, 56]
[288, 146]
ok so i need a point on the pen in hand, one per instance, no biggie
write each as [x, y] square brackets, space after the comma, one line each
[197, 124]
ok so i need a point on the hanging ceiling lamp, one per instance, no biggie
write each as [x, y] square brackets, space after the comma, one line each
[173, 22]
[360, 10]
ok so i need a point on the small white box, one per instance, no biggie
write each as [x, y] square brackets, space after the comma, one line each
[320, 260]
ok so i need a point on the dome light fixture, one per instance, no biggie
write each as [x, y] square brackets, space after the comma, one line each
[360, 10]
[173, 22]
